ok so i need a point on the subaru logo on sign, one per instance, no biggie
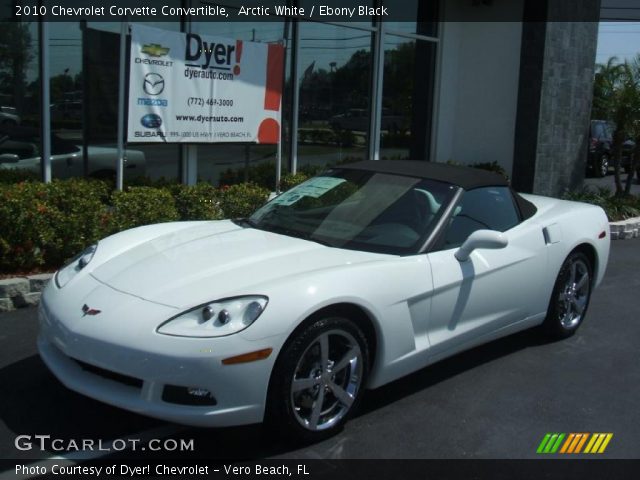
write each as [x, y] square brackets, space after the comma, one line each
[153, 84]
[151, 120]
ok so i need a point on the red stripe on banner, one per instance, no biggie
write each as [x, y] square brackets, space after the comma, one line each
[238, 50]
[275, 72]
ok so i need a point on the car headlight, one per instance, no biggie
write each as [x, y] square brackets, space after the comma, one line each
[76, 264]
[216, 319]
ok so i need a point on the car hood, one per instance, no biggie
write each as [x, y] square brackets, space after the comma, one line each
[212, 260]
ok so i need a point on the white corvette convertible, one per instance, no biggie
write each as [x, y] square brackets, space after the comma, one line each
[354, 278]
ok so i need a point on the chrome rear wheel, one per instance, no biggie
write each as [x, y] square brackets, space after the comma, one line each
[574, 295]
[570, 297]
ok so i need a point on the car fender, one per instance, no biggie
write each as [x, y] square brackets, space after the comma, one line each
[395, 295]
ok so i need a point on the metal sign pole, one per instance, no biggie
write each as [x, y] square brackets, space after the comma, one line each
[285, 45]
[45, 126]
[121, 94]
[279, 154]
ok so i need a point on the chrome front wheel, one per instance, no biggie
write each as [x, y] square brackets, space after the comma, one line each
[318, 379]
[326, 380]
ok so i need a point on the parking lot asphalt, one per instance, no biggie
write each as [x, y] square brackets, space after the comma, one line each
[495, 401]
[608, 181]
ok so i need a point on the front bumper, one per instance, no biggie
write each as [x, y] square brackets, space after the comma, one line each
[133, 368]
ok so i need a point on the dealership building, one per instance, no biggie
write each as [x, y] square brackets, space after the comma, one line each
[464, 81]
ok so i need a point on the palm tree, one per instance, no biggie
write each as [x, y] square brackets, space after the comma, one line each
[604, 85]
[616, 97]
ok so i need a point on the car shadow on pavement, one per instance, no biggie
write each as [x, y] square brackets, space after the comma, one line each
[35, 402]
[450, 367]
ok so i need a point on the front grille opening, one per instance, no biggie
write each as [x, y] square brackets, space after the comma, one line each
[109, 375]
[181, 396]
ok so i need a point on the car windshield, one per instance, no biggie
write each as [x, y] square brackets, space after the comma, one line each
[358, 210]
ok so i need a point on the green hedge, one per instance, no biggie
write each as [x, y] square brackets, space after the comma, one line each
[43, 225]
[616, 207]
[242, 200]
[264, 175]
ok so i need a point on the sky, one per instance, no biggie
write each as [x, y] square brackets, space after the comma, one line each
[620, 39]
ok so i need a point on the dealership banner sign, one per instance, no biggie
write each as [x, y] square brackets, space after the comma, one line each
[192, 88]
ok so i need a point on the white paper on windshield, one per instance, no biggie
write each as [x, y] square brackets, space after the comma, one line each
[313, 188]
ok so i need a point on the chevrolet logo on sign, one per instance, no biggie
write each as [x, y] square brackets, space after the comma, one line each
[154, 50]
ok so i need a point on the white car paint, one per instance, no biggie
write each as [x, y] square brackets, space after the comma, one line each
[423, 307]
[8, 116]
[67, 165]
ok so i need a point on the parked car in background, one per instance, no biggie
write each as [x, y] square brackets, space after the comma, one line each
[600, 146]
[358, 119]
[628, 149]
[20, 149]
[9, 116]
[601, 149]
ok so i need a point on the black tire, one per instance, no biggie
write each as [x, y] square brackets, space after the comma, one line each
[297, 415]
[570, 298]
[601, 168]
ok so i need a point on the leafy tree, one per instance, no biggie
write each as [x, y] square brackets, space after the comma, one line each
[15, 55]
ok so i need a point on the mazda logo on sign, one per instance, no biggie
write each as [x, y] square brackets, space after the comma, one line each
[153, 84]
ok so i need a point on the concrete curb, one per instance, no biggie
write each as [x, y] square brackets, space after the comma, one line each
[21, 292]
[624, 229]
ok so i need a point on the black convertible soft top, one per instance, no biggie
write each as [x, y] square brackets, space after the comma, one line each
[465, 177]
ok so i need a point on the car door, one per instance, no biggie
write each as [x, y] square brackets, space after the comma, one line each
[493, 289]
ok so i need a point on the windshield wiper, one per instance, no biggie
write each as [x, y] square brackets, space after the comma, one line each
[245, 222]
[296, 233]
[269, 227]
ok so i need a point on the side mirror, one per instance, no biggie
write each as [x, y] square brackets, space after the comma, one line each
[480, 239]
[9, 158]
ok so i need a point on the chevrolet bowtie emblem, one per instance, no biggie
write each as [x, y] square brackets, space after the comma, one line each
[89, 311]
[154, 50]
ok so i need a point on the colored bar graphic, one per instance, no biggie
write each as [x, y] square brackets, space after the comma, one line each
[581, 442]
[567, 443]
[598, 443]
[590, 444]
[556, 445]
[605, 443]
[543, 443]
[574, 444]
[552, 442]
